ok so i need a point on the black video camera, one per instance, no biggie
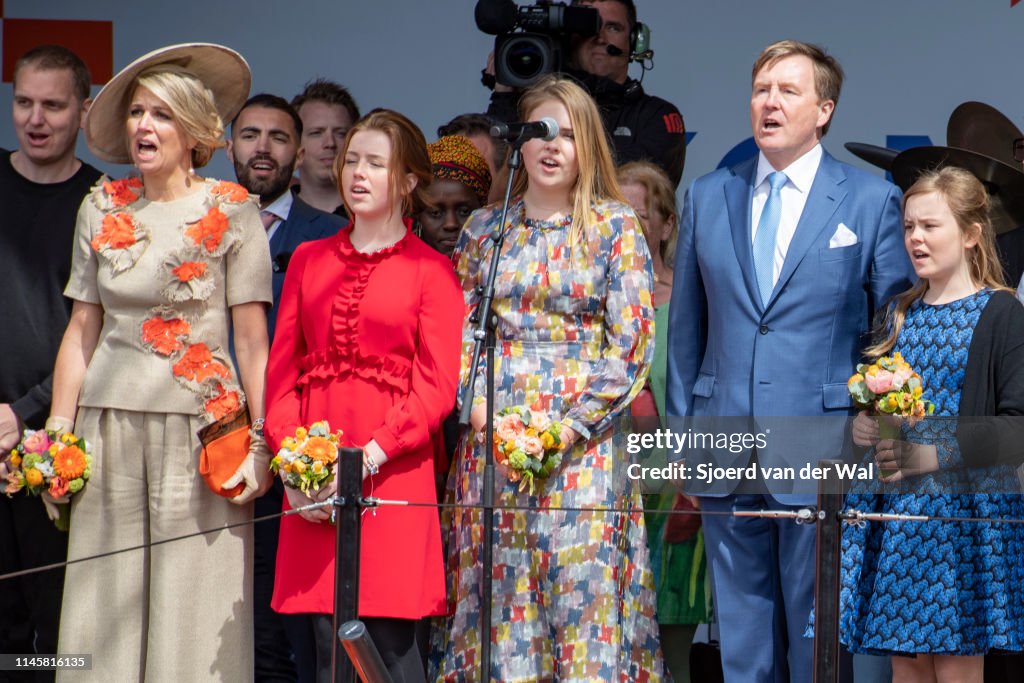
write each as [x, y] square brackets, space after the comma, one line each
[533, 40]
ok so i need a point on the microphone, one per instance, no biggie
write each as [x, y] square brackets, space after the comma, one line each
[545, 129]
[613, 51]
[496, 16]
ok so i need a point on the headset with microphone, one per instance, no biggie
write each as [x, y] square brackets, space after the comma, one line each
[639, 45]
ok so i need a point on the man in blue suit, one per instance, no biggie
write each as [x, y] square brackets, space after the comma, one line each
[781, 263]
[264, 148]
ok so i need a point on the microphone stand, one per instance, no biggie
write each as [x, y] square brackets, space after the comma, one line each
[484, 336]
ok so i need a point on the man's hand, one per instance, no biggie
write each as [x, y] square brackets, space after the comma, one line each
[10, 428]
[489, 71]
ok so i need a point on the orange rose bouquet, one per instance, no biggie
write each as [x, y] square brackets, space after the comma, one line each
[528, 444]
[59, 464]
[307, 458]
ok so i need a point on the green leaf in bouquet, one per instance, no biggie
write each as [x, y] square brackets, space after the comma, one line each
[860, 393]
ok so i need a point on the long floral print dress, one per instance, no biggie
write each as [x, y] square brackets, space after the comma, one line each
[573, 592]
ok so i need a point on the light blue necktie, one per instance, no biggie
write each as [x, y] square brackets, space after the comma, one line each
[767, 231]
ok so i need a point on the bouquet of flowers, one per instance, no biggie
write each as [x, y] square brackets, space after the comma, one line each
[59, 464]
[889, 386]
[307, 459]
[528, 444]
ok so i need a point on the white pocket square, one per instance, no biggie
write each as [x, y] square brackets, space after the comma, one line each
[843, 237]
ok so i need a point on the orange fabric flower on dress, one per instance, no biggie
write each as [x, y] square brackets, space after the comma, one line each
[189, 270]
[123, 192]
[209, 230]
[69, 462]
[116, 232]
[230, 192]
[224, 403]
[198, 364]
[162, 334]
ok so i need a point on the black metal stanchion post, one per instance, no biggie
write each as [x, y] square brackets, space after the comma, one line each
[487, 551]
[484, 336]
[826, 590]
[347, 511]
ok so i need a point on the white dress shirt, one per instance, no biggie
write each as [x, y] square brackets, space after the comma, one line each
[800, 176]
[280, 207]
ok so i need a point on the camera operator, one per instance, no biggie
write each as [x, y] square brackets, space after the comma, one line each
[640, 126]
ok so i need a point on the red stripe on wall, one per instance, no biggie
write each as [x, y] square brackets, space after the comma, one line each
[93, 41]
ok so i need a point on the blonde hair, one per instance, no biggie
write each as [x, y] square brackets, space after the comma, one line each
[662, 198]
[192, 104]
[596, 179]
[970, 205]
[408, 155]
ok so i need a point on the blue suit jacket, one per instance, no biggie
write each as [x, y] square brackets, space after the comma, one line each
[731, 356]
[304, 224]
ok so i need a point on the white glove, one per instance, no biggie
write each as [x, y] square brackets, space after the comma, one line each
[60, 425]
[254, 471]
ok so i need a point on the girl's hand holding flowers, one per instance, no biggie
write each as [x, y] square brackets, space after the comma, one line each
[898, 459]
[306, 460]
[889, 392]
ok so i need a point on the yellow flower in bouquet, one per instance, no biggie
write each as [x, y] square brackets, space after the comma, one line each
[307, 459]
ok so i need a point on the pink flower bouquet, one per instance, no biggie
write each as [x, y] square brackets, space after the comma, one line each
[528, 444]
[889, 386]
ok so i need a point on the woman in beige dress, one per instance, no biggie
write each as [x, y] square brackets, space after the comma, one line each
[165, 269]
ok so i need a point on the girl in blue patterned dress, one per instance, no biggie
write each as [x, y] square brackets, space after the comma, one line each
[940, 594]
[573, 592]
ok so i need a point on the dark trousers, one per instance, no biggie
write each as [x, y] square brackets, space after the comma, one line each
[29, 605]
[272, 639]
[395, 640]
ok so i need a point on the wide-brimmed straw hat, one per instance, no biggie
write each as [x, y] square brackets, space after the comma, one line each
[221, 69]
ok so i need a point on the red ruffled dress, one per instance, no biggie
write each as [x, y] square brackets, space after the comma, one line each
[371, 343]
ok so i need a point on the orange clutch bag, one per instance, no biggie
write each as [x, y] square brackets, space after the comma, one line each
[225, 447]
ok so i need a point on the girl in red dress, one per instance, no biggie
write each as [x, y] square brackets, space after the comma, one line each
[368, 338]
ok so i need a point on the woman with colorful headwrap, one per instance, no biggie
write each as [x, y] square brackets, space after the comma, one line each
[461, 183]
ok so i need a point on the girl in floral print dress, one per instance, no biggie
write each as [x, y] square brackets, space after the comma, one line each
[163, 267]
[573, 592]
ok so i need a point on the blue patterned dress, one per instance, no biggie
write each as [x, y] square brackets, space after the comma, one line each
[574, 594]
[951, 588]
